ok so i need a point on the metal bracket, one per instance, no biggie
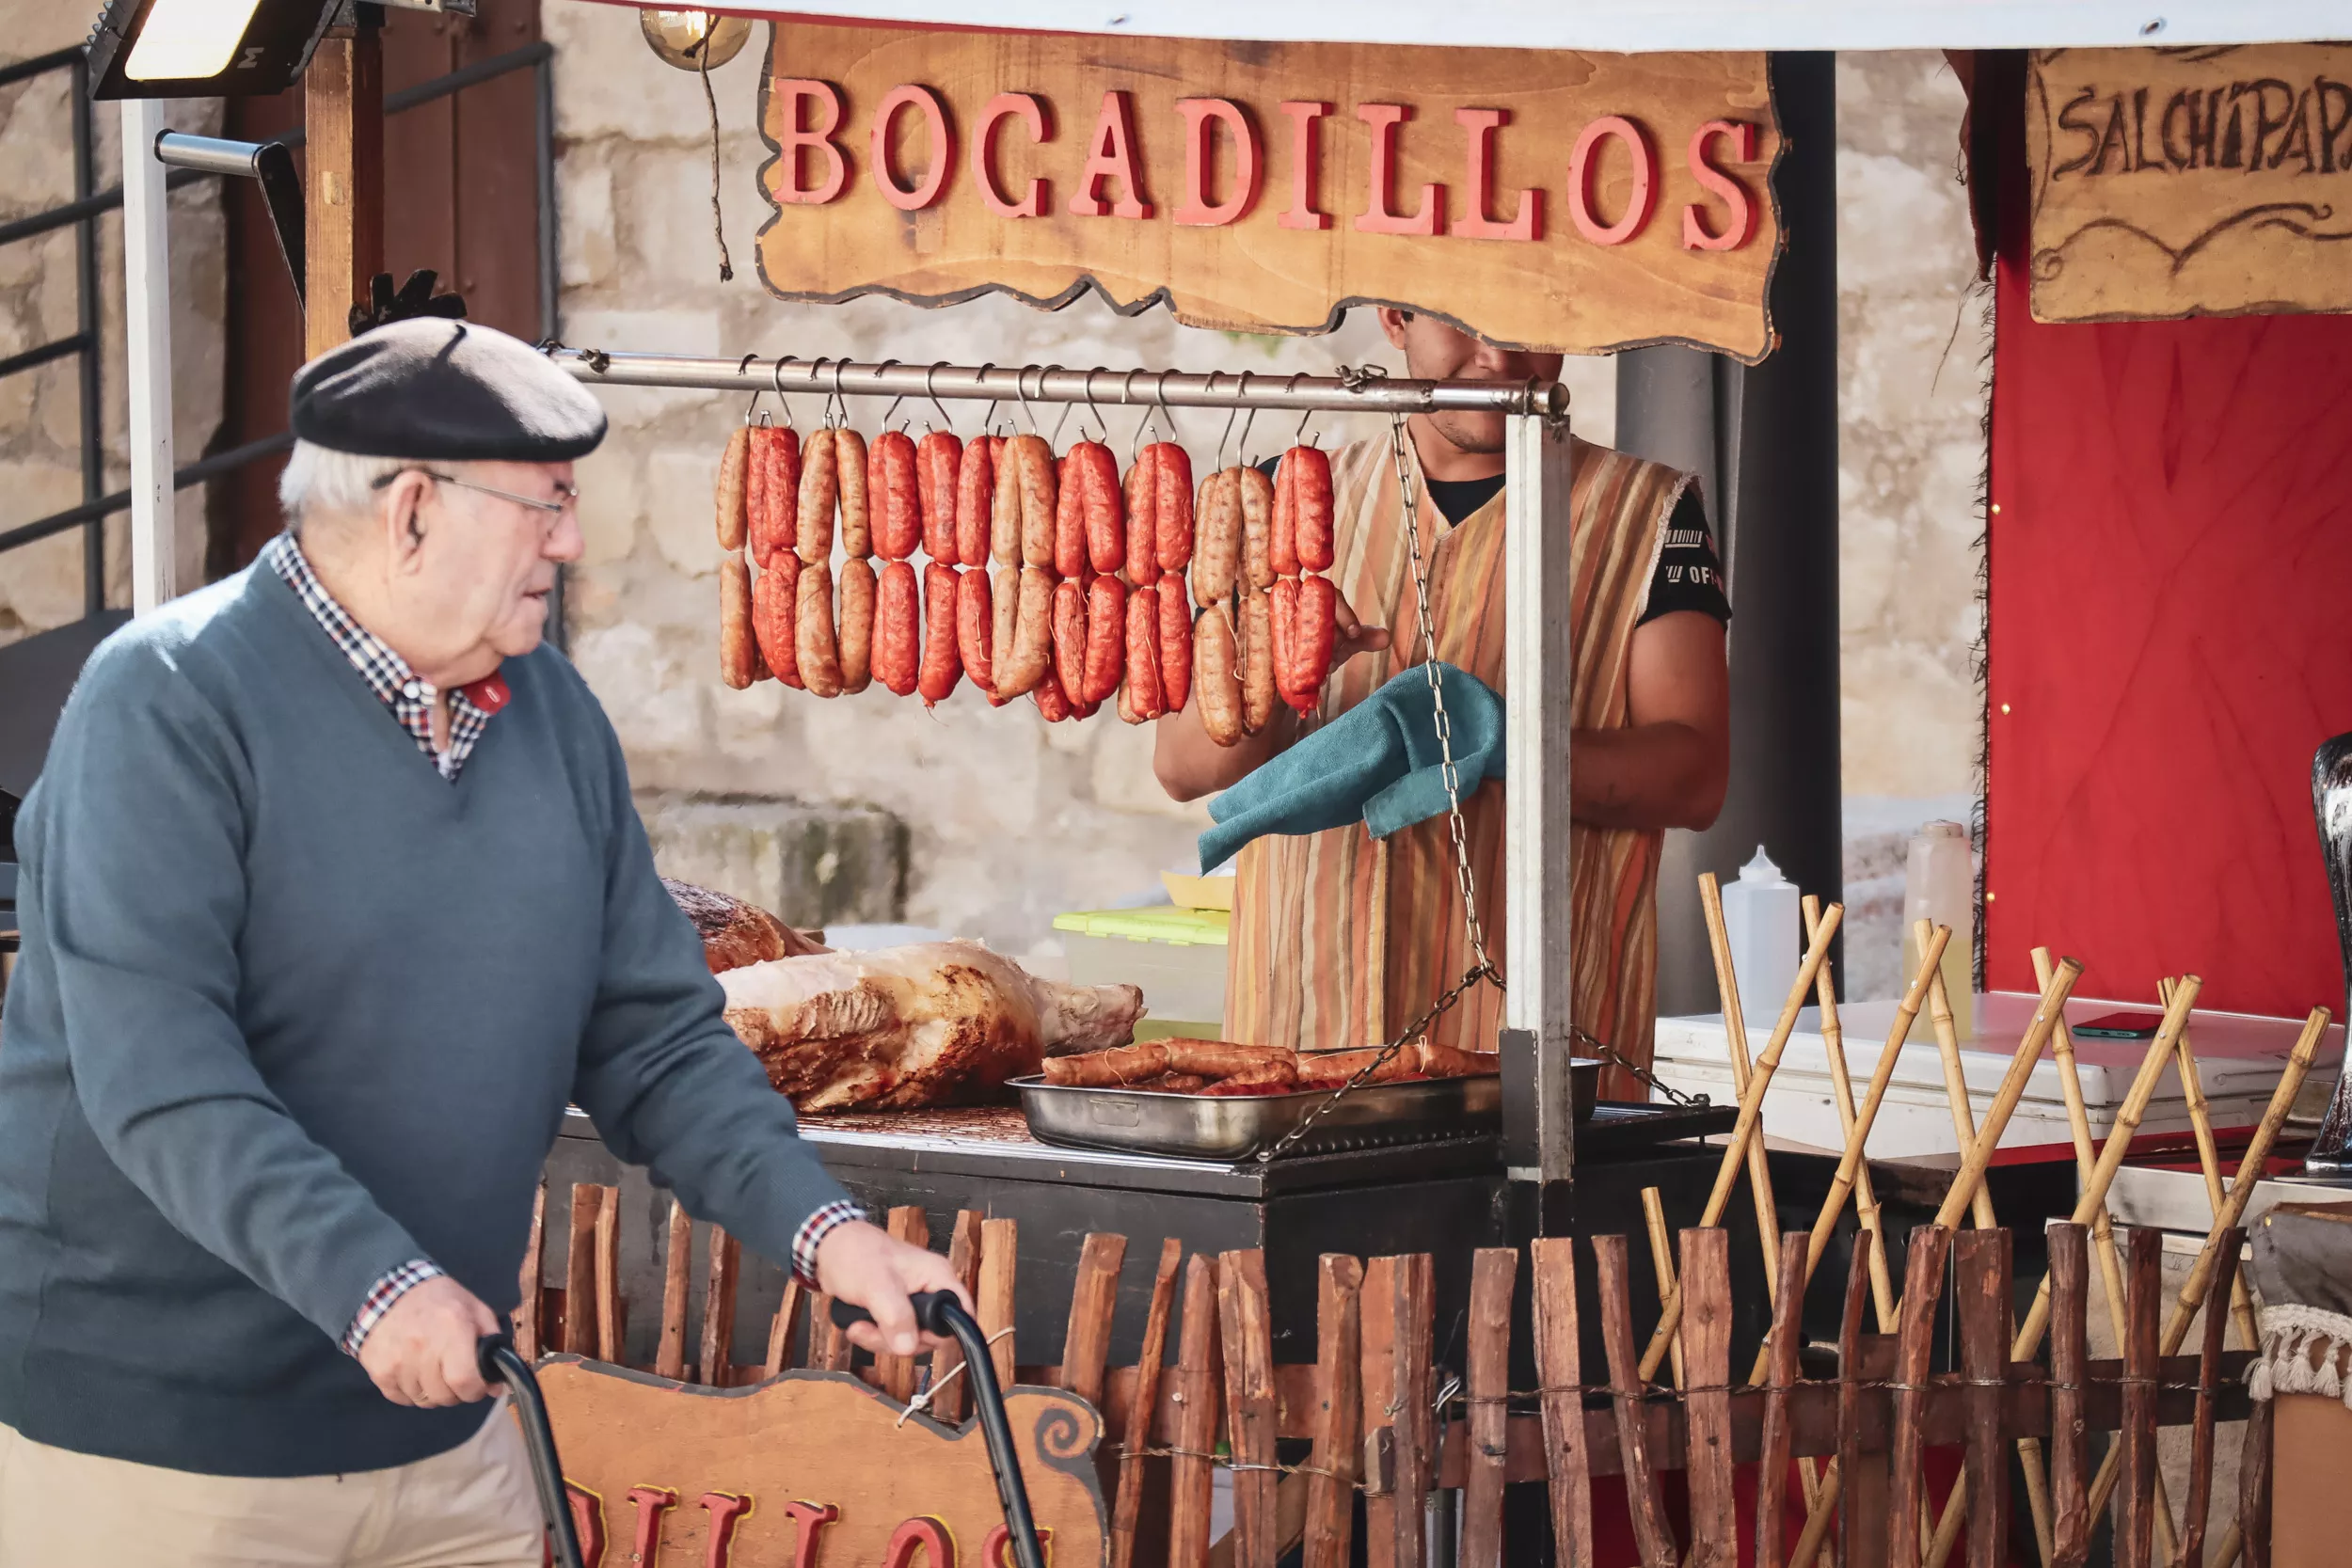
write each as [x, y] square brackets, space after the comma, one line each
[270, 163]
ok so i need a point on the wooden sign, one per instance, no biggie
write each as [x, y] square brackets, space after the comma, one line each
[1542, 199]
[2191, 182]
[809, 1470]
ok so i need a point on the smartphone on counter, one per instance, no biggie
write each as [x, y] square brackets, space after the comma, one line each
[2120, 1026]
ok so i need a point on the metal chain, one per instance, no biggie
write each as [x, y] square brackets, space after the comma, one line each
[1409, 494]
[1388, 1054]
[1609, 1053]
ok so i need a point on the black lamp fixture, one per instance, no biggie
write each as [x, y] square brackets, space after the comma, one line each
[218, 48]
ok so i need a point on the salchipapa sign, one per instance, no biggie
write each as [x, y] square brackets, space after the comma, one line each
[1543, 199]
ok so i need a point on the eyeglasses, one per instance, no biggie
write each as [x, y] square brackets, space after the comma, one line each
[565, 493]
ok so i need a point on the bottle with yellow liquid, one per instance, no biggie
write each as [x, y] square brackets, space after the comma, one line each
[1940, 886]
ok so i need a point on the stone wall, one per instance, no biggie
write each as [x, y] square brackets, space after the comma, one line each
[41, 435]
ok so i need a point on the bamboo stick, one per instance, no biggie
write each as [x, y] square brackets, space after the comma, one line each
[2209, 1160]
[1662, 1259]
[2102, 1244]
[1744, 1133]
[2093, 1197]
[2241, 1193]
[1955, 1079]
[1736, 1038]
[1850, 1164]
[1956, 1200]
[1866, 1201]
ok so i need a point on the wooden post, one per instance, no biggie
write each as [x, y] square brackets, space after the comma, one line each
[1861, 1360]
[1559, 1371]
[2070, 1353]
[1494, 1272]
[1413, 1326]
[1378, 1319]
[718, 1343]
[1248, 1337]
[780, 1328]
[1983, 1300]
[1707, 1332]
[1191, 1479]
[895, 1374]
[2217, 1302]
[1334, 1465]
[1923, 1290]
[964, 1257]
[1086, 1345]
[1000, 1249]
[580, 1271]
[2254, 1483]
[343, 106]
[534, 1275]
[669, 1357]
[1771, 1471]
[1149, 1358]
[2136, 1521]
[608, 1276]
[1627, 1388]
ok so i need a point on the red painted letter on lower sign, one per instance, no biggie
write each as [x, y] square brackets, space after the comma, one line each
[1004, 106]
[726, 1510]
[812, 1518]
[1379, 216]
[1527, 223]
[1740, 222]
[652, 1503]
[1200, 158]
[925, 1534]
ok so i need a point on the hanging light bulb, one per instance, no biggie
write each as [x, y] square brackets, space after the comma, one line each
[680, 37]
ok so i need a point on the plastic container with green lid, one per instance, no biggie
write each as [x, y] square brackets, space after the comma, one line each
[1177, 956]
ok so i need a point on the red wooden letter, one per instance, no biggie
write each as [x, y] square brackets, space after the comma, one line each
[1739, 224]
[1306, 164]
[926, 1532]
[1200, 156]
[652, 1503]
[1001, 108]
[812, 1518]
[1111, 154]
[1528, 223]
[798, 138]
[587, 1522]
[942, 153]
[997, 1548]
[1582, 164]
[726, 1509]
[1379, 218]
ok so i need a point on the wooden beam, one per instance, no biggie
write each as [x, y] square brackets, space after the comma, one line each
[343, 105]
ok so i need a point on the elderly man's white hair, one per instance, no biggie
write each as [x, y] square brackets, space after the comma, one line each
[320, 482]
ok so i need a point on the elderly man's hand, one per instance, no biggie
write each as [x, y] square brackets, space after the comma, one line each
[867, 1267]
[424, 1349]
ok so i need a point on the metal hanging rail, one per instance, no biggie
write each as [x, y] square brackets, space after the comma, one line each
[1351, 391]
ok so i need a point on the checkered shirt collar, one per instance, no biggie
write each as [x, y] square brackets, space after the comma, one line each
[389, 676]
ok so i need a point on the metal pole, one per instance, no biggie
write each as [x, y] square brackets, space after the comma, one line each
[1353, 393]
[85, 317]
[147, 331]
[1540, 1125]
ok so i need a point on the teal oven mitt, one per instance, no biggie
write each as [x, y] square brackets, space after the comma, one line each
[1377, 764]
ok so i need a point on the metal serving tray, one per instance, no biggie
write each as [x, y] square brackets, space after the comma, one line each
[1232, 1127]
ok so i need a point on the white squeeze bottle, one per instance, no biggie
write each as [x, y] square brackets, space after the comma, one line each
[1761, 918]
[1940, 885]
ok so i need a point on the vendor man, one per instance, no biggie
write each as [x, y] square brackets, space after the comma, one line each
[1341, 940]
[333, 895]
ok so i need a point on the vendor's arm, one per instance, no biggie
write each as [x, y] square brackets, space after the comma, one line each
[671, 1087]
[1670, 766]
[135, 875]
[1189, 765]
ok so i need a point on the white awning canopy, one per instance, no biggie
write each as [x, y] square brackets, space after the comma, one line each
[1638, 24]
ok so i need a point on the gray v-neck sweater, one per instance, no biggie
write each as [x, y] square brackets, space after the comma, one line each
[292, 1010]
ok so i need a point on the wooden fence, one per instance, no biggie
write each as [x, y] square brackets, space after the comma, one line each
[1366, 1417]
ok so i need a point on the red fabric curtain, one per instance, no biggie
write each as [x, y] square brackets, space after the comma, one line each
[2170, 638]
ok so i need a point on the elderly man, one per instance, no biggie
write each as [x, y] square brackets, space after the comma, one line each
[333, 896]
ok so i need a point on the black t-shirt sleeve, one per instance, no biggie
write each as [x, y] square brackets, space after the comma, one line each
[1688, 575]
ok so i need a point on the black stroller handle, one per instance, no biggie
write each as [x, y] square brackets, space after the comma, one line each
[501, 1364]
[940, 1313]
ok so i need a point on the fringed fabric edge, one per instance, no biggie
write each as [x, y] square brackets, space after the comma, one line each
[2305, 1350]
